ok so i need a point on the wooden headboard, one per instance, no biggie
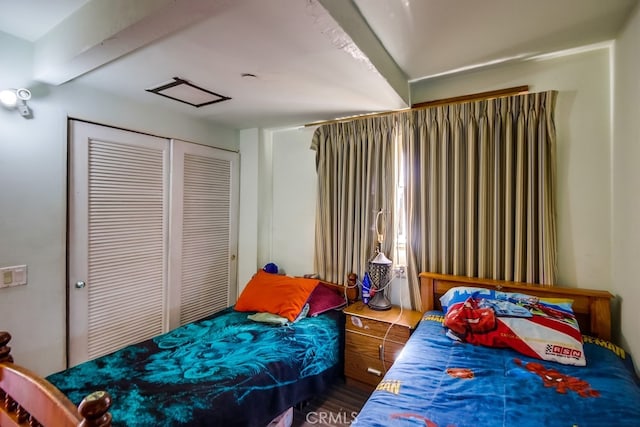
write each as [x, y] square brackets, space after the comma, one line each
[591, 307]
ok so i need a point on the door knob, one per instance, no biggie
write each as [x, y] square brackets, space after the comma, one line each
[80, 284]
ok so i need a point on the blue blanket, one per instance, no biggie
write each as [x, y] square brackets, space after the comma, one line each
[223, 370]
[440, 382]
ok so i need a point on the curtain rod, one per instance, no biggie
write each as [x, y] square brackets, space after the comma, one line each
[516, 90]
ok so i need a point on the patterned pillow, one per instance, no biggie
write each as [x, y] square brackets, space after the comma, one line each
[544, 328]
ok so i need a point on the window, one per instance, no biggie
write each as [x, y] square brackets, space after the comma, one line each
[400, 247]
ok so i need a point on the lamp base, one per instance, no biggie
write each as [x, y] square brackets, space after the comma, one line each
[379, 302]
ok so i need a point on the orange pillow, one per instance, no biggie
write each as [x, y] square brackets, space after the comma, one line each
[276, 294]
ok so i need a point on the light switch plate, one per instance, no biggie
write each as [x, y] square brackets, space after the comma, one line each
[13, 276]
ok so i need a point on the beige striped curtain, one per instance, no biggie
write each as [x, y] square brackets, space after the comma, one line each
[354, 162]
[480, 189]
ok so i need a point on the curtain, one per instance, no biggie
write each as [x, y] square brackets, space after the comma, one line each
[480, 189]
[354, 163]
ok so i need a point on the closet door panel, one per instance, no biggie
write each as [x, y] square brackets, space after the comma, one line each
[204, 198]
[118, 234]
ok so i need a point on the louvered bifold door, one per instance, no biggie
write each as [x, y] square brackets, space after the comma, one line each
[118, 225]
[203, 242]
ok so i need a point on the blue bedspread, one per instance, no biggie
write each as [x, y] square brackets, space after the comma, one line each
[440, 382]
[225, 370]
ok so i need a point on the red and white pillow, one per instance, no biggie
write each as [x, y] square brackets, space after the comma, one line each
[546, 329]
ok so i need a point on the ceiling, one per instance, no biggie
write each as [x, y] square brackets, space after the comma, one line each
[291, 62]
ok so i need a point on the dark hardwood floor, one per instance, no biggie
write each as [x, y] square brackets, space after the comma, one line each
[336, 408]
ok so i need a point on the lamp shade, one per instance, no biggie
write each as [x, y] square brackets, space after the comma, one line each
[381, 258]
[379, 271]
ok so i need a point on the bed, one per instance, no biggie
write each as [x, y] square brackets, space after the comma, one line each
[438, 381]
[222, 370]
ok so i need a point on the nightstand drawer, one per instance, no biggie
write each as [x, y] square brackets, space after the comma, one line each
[363, 368]
[370, 347]
[376, 328]
[365, 358]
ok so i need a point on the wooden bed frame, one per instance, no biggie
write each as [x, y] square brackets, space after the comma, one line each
[27, 399]
[591, 307]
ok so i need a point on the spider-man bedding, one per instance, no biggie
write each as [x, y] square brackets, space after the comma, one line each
[224, 370]
[438, 381]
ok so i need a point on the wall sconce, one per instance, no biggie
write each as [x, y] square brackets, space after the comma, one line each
[16, 98]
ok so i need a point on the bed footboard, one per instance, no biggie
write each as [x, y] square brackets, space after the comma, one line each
[29, 400]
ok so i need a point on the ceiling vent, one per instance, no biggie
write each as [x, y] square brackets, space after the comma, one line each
[183, 91]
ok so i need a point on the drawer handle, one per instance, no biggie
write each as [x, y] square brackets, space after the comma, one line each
[380, 352]
[374, 372]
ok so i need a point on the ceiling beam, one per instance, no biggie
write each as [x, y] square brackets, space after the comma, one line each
[348, 16]
[104, 30]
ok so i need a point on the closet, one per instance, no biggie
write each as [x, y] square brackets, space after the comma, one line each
[152, 236]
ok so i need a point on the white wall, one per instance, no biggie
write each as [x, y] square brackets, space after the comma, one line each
[294, 200]
[626, 176]
[33, 175]
[283, 182]
[248, 229]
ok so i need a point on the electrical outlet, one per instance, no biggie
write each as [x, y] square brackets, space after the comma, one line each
[13, 276]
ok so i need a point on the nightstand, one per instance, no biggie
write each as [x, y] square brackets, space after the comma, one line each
[366, 357]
